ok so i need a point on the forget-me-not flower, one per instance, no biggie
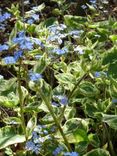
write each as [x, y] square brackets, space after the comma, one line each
[4, 47]
[71, 154]
[57, 150]
[9, 60]
[34, 76]
[62, 99]
[60, 51]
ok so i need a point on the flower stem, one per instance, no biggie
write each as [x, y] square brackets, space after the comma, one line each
[21, 100]
[55, 118]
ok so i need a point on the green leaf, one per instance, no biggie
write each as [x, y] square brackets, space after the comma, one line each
[97, 152]
[88, 89]
[8, 137]
[48, 22]
[31, 125]
[7, 86]
[113, 38]
[11, 100]
[112, 70]
[74, 21]
[66, 79]
[111, 120]
[80, 135]
[46, 89]
[75, 123]
[69, 112]
[110, 57]
[12, 120]
[94, 140]
[41, 64]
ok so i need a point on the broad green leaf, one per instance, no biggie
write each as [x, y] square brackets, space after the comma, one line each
[12, 120]
[88, 89]
[97, 152]
[80, 135]
[111, 120]
[8, 137]
[75, 123]
[31, 125]
[46, 89]
[113, 38]
[110, 56]
[112, 70]
[41, 64]
[11, 100]
[69, 112]
[94, 140]
[7, 86]
[66, 79]
[74, 21]
[50, 21]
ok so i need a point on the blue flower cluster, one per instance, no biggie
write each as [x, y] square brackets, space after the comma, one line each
[57, 33]
[26, 43]
[37, 140]
[58, 150]
[71, 154]
[3, 47]
[3, 18]
[13, 59]
[59, 51]
[33, 18]
[34, 76]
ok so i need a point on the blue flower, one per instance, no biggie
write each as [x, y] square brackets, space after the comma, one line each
[93, 1]
[62, 99]
[35, 17]
[23, 41]
[54, 38]
[76, 32]
[9, 60]
[83, 7]
[34, 135]
[35, 76]
[57, 150]
[36, 149]
[4, 17]
[55, 104]
[4, 47]
[37, 41]
[31, 146]
[71, 154]
[56, 28]
[60, 51]
[97, 74]
[30, 21]
[26, 45]
[18, 54]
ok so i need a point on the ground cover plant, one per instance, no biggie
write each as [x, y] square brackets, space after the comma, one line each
[58, 78]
